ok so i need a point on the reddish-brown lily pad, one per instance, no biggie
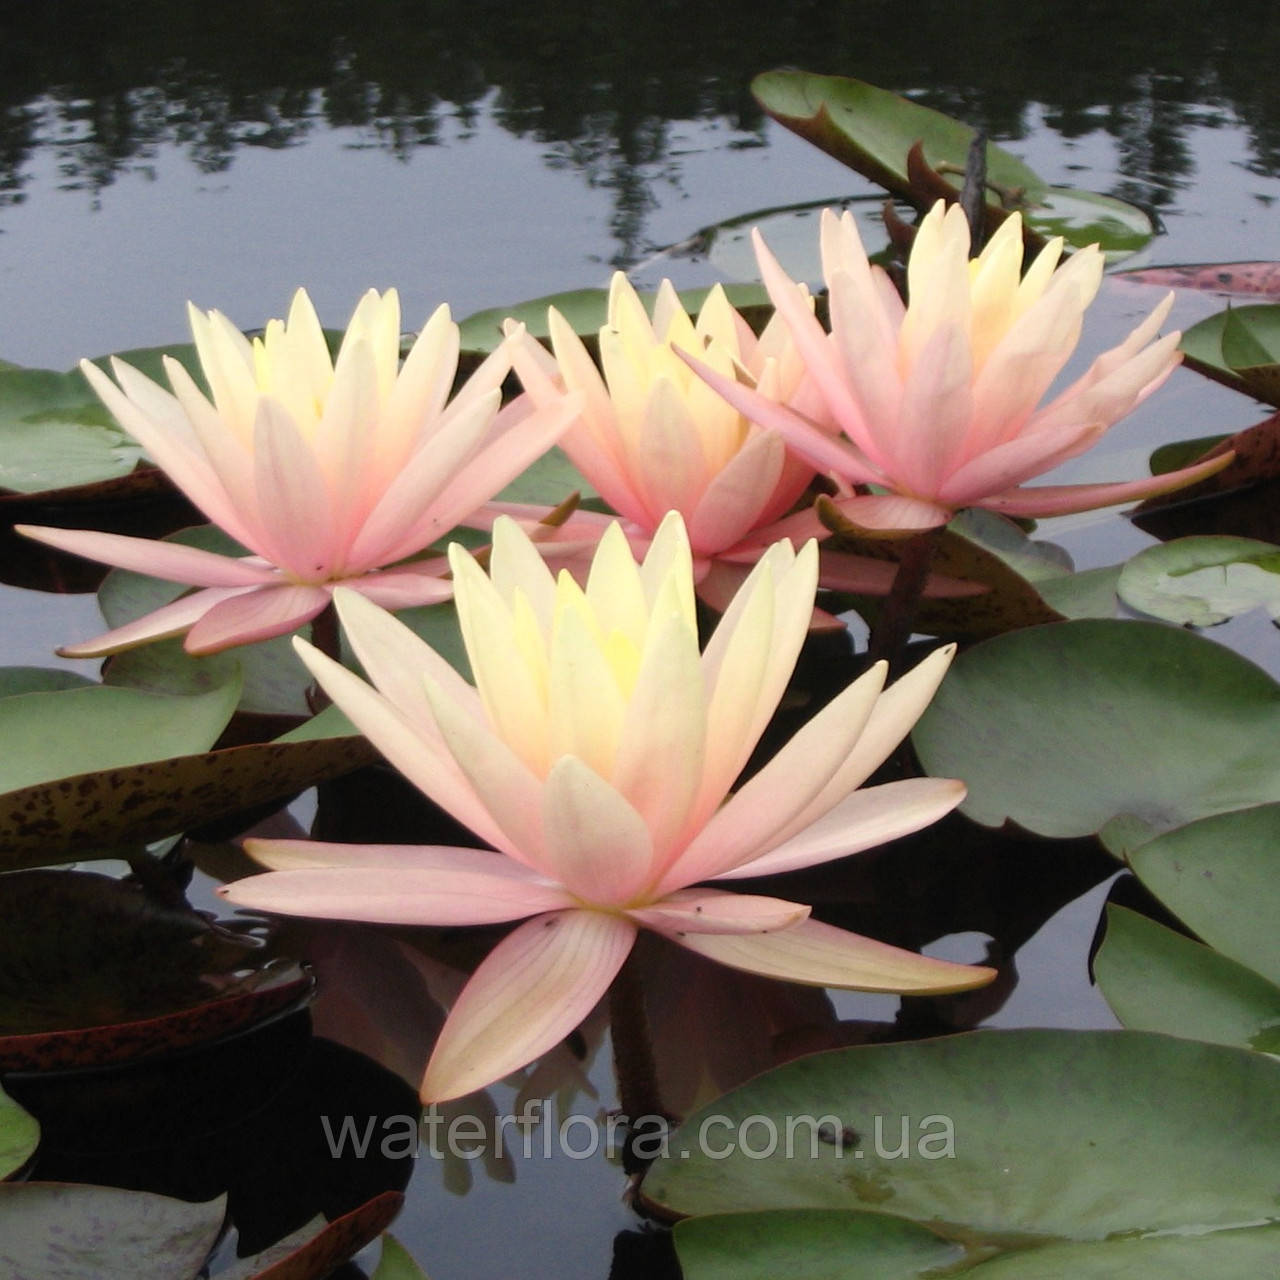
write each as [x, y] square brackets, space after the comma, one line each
[316, 1249]
[1251, 278]
[87, 814]
[95, 973]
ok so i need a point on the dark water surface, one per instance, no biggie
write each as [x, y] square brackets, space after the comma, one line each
[484, 154]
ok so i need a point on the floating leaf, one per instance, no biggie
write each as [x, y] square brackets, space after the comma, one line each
[1213, 277]
[1064, 728]
[14, 680]
[91, 814]
[996, 1138]
[93, 972]
[397, 1263]
[1088, 217]
[550, 480]
[1218, 876]
[275, 682]
[74, 731]
[58, 440]
[1257, 459]
[1242, 1254]
[73, 1232]
[19, 1136]
[1158, 980]
[809, 1244]
[872, 131]
[1240, 348]
[1203, 581]
[585, 310]
[791, 232]
[1028, 582]
[316, 1249]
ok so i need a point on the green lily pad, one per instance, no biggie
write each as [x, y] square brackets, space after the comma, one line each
[68, 817]
[74, 731]
[550, 480]
[275, 682]
[19, 1136]
[56, 435]
[1064, 728]
[1203, 581]
[790, 231]
[71, 1231]
[1088, 217]
[14, 680]
[995, 1139]
[1243, 1254]
[1158, 980]
[872, 131]
[1239, 347]
[397, 1262]
[809, 1244]
[1218, 876]
[1181, 453]
[585, 310]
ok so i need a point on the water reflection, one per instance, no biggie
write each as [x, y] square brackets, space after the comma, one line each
[103, 84]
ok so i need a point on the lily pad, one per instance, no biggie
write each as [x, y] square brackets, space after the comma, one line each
[1028, 582]
[19, 1136]
[1219, 877]
[1257, 459]
[94, 973]
[62, 1231]
[1158, 980]
[397, 1263]
[872, 131]
[73, 731]
[585, 310]
[1239, 347]
[1242, 1254]
[57, 439]
[317, 1248]
[275, 682]
[1064, 728]
[791, 232]
[14, 680]
[1203, 581]
[92, 814]
[998, 1138]
[1212, 277]
[810, 1244]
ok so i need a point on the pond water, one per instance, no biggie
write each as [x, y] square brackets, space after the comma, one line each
[151, 154]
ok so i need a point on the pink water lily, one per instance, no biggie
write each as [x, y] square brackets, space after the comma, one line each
[594, 755]
[940, 400]
[652, 437]
[327, 471]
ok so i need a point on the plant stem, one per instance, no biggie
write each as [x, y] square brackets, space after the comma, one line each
[893, 628]
[324, 635]
[633, 1065]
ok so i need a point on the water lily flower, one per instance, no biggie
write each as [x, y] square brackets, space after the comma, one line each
[939, 400]
[328, 471]
[594, 755]
[652, 437]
